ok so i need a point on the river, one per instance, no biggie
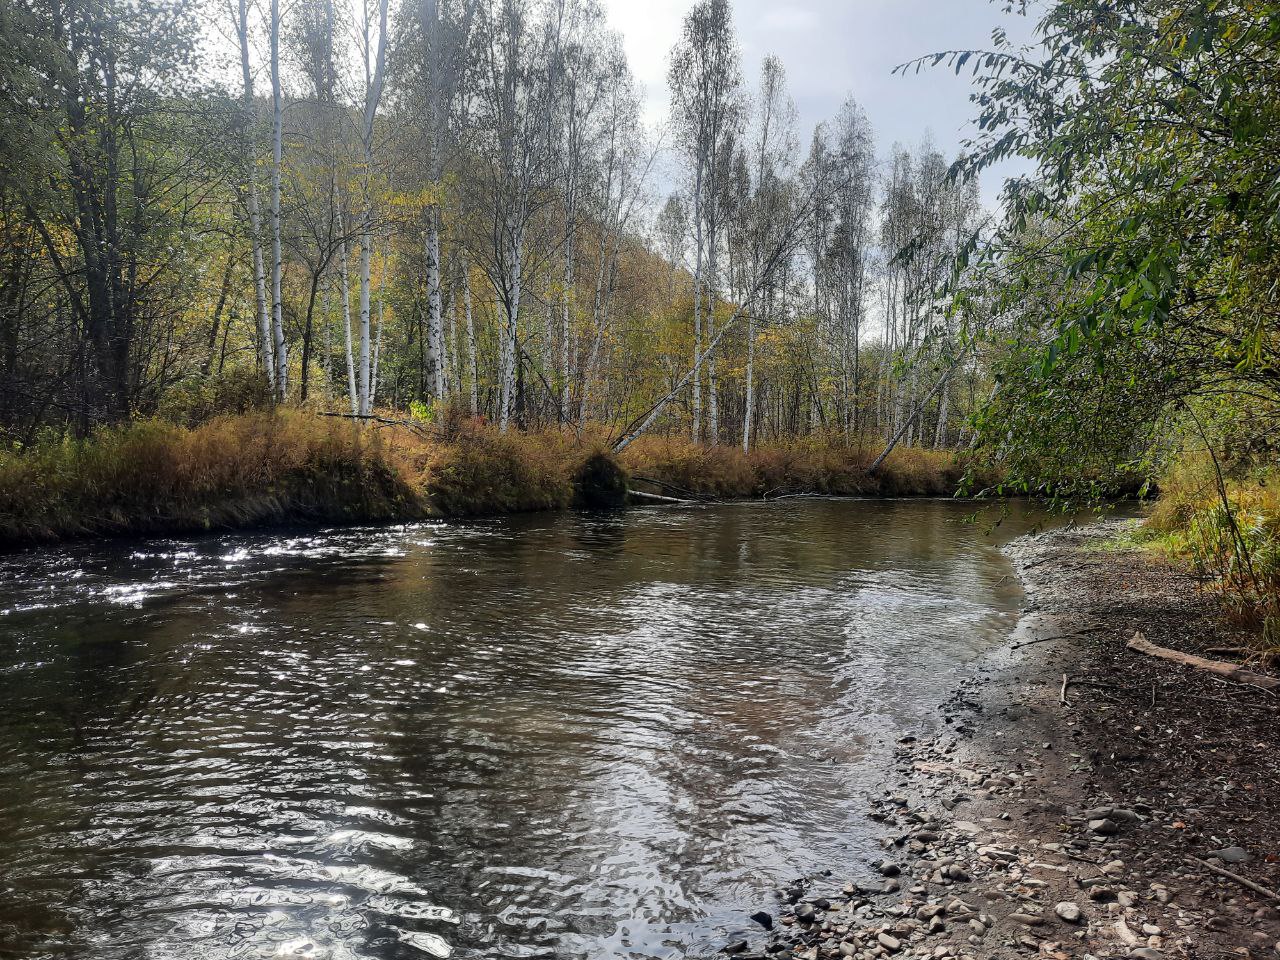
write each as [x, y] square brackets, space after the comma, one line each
[569, 736]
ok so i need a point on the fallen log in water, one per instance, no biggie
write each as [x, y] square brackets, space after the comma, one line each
[655, 497]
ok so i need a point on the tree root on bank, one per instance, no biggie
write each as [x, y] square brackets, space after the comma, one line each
[1219, 667]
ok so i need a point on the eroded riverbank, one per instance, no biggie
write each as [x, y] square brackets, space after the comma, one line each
[1073, 820]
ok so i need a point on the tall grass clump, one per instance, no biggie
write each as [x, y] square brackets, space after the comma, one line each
[816, 466]
[472, 469]
[1227, 525]
[230, 472]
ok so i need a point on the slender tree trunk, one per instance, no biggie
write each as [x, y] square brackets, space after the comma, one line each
[266, 348]
[696, 385]
[749, 412]
[277, 159]
[377, 353]
[469, 315]
[366, 339]
[511, 335]
[373, 97]
[344, 275]
[435, 331]
[713, 391]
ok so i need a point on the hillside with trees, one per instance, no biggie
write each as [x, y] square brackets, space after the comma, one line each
[455, 205]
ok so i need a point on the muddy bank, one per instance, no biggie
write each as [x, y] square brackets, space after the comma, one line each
[1078, 819]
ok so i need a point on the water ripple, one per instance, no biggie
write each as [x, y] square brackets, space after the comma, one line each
[533, 737]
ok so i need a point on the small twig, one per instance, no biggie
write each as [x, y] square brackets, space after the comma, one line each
[1062, 695]
[1243, 881]
[1059, 636]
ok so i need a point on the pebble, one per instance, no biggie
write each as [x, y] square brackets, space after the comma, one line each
[1068, 912]
[888, 868]
[890, 943]
[1231, 855]
[1027, 919]
[1146, 953]
[1104, 827]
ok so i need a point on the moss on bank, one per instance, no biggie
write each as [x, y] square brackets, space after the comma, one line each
[293, 467]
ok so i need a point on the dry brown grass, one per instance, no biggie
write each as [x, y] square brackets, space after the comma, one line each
[806, 466]
[238, 471]
[292, 467]
[472, 469]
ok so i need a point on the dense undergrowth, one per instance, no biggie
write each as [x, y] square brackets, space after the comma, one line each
[294, 467]
[1226, 523]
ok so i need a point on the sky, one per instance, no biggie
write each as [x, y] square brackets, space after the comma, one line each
[833, 48]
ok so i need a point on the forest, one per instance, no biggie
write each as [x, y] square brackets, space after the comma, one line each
[451, 215]
[454, 205]
[459, 500]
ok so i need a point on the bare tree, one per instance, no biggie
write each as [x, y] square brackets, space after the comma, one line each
[705, 80]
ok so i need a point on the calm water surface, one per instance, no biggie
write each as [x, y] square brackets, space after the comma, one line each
[560, 736]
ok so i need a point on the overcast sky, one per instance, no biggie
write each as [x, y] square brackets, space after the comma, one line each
[832, 48]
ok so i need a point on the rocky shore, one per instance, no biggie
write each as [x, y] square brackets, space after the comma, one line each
[1085, 801]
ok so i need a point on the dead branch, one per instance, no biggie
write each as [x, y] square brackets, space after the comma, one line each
[1243, 881]
[684, 494]
[420, 429]
[1056, 636]
[1220, 668]
[655, 497]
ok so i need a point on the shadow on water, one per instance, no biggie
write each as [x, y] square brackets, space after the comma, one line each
[545, 736]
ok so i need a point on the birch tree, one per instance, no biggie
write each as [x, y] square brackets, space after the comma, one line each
[374, 50]
[277, 256]
[705, 82]
[248, 121]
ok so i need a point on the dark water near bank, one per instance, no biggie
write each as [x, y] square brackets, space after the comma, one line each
[558, 736]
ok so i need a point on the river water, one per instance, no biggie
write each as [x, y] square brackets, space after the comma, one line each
[569, 736]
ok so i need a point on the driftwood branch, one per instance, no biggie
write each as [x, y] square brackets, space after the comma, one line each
[1243, 881]
[655, 497]
[1221, 668]
[667, 485]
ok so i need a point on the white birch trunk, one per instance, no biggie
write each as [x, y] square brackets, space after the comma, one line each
[696, 397]
[366, 343]
[277, 159]
[373, 96]
[435, 328]
[510, 335]
[344, 275]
